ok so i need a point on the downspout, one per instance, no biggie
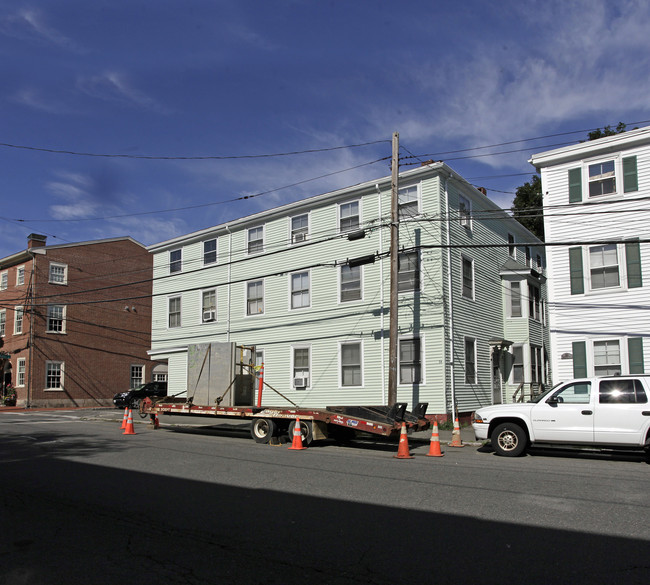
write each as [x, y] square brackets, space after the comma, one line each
[450, 328]
[31, 329]
[381, 304]
[229, 280]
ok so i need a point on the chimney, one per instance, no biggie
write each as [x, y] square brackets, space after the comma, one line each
[482, 190]
[36, 241]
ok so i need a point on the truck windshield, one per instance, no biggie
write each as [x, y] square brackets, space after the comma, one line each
[545, 393]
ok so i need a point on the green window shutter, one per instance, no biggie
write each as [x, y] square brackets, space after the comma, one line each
[575, 185]
[575, 269]
[579, 359]
[630, 182]
[633, 259]
[635, 354]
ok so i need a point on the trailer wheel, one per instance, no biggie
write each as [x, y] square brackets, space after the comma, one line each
[262, 429]
[305, 431]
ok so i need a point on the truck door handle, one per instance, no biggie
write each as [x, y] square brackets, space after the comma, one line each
[646, 413]
[587, 412]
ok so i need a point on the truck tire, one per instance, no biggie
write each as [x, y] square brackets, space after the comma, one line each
[263, 429]
[305, 431]
[509, 440]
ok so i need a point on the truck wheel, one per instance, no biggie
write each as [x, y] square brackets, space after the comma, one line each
[305, 431]
[509, 440]
[262, 429]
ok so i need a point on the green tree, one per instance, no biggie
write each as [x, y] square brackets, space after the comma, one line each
[527, 206]
[606, 131]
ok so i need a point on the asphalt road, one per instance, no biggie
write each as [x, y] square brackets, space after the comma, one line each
[83, 503]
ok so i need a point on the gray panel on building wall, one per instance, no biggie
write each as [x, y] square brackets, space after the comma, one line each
[210, 370]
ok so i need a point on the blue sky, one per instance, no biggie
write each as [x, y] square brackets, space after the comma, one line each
[245, 77]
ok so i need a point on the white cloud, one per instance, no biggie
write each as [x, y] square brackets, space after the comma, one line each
[115, 87]
[31, 25]
[31, 99]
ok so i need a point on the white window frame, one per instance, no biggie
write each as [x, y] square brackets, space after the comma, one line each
[132, 378]
[620, 264]
[520, 347]
[512, 246]
[21, 371]
[205, 309]
[404, 206]
[299, 293]
[209, 253]
[529, 256]
[420, 341]
[536, 364]
[464, 259]
[19, 316]
[615, 174]
[417, 272]
[359, 343]
[351, 281]
[60, 374]
[512, 295]
[346, 204]
[4, 280]
[474, 358]
[294, 369]
[3, 322]
[255, 246]
[173, 269]
[171, 298]
[57, 265]
[464, 212]
[62, 318]
[20, 276]
[301, 234]
[534, 301]
[248, 299]
[620, 367]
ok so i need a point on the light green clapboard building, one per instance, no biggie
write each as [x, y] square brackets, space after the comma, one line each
[308, 284]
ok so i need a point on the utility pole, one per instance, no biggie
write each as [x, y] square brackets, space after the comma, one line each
[394, 266]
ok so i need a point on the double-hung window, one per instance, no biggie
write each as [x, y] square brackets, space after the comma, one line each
[602, 178]
[4, 280]
[209, 305]
[18, 320]
[468, 277]
[515, 299]
[517, 364]
[255, 240]
[20, 276]
[410, 361]
[174, 312]
[349, 216]
[607, 358]
[350, 283]
[299, 228]
[351, 367]
[54, 375]
[603, 265]
[56, 318]
[300, 290]
[255, 297]
[20, 377]
[536, 364]
[58, 273]
[301, 367]
[210, 252]
[533, 302]
[464, 212]
[137, 376]
[3, 322]
[408, 202]
[408, 272]
[175, 261]
[512, 249]
[470, 360]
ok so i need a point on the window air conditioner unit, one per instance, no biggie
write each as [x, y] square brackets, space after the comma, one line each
[300, 382]
[299, 237]
[209, 316]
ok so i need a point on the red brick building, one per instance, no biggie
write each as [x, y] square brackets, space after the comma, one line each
[75, 321]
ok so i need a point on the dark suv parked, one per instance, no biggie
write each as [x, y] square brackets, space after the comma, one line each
[132, 398]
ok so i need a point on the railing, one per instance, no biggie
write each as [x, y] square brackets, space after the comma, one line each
[527, 391]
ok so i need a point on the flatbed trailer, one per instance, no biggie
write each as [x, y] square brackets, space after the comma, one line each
[270, 423]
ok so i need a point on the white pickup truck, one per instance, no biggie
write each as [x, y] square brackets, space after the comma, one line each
[608, 412]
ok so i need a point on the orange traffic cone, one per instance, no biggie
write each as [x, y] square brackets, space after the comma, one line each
[297, 437]
[129, 425]
[126, 414]
[403, 449]
[455, 435]
[156, 422]
[434, 444]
